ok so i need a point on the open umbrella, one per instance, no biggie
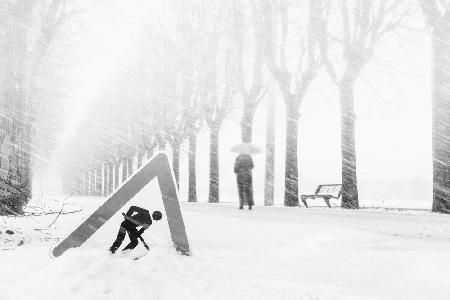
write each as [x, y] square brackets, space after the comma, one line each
[246, 148]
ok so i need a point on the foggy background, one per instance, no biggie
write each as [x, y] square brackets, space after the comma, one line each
[393, 131]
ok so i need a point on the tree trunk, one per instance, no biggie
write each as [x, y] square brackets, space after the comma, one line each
[124, 168]
[105, 180]
[116, 173]
[92, 191]
[97, 185]
[176, 161]
[349, 182]
[291, 167]
[150, 152]
[214, 165]
[92, 182]
[86, 183]
[270, 151]
[441, 116]
[192, 168]
[110, 177]
[247, 123]
[75, 185]
[25, 177]
[130, 160]
[140, 158]
[161, 143]
[65, 183]
[98, 181]
[82, 183]
[89, 183]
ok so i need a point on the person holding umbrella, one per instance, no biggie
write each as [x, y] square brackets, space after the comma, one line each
[243, 168]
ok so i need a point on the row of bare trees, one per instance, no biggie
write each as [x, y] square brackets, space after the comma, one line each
[294, 41]
[27, 30]
[192, 73]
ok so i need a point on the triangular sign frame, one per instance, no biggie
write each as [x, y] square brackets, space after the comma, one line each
[158, 166]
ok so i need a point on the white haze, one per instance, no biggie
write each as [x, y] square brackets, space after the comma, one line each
[392, 105]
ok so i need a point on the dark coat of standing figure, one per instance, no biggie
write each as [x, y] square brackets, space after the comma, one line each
[135, 217]
[243, 169]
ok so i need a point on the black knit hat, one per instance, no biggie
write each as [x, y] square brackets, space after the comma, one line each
[157, 215]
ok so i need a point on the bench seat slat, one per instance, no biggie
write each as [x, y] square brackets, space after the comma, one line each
[326, 192]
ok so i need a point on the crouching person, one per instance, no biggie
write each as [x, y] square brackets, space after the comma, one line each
[134, 218]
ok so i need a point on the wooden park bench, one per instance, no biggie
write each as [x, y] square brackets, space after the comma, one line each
[326, 192]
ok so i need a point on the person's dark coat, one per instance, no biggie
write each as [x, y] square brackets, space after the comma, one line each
[139, 216]
[243, 168]
[135, 217]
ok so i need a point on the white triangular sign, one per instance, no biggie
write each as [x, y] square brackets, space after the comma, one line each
[158, 167]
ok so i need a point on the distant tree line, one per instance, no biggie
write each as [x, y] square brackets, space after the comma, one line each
[27, 29]
[192, 73]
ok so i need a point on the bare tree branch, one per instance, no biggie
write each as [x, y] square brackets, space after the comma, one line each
[431, 11]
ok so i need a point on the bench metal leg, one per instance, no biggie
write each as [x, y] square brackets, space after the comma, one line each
[327, 201]
[304, 202]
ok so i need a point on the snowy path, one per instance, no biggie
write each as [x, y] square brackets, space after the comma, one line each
[335, 253]
[267, 253]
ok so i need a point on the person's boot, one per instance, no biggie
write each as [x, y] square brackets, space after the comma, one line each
[250, 207]
[112, 250]
[241, 207]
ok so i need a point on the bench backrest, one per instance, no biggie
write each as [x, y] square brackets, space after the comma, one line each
[329, 189]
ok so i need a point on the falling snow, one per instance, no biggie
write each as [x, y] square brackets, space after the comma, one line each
[350, 92]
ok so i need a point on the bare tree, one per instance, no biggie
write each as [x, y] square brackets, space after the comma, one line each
[192, 159]
[184, 124]
[176, 132]
[171, 113]
[98, 179]
[15, 126]
[363, 24]
[218, 83]
[117, 154]
[293, 84]
[192, 33]
[29, 28]
[270, 150]
[251, 96]
[437, 14]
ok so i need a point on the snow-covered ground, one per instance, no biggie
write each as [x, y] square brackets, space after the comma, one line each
[266, 253]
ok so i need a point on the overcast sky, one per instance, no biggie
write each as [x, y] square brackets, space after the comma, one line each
[392, 99]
